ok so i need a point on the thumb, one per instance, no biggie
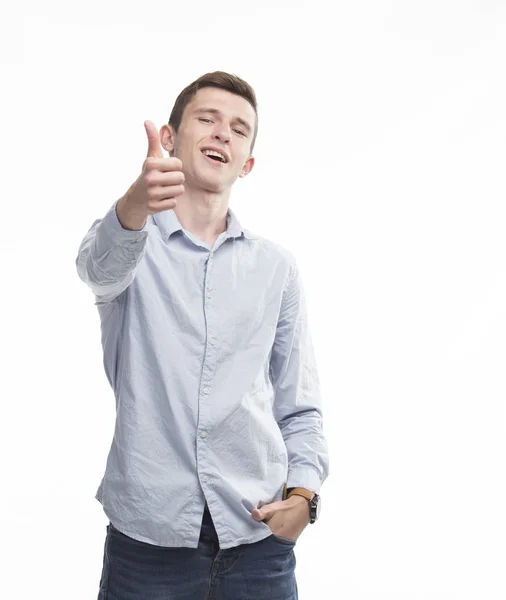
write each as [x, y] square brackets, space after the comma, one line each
[257, 514]
[266, 512]
[154, 146]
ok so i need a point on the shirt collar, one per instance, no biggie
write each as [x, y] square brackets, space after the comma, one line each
[168, 223]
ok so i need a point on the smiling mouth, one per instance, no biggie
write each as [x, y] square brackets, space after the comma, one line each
[215, 156]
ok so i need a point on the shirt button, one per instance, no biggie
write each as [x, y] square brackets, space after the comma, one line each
[209, 296]
[206, 390]
[205, 478]
[212, 342]
[203, 434]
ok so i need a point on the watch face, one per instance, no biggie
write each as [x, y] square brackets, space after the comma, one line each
[316, 504]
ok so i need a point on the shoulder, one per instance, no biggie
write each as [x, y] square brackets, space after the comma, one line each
[275, 260]
[271, 250]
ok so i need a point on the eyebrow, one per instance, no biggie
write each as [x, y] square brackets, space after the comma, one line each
[215, 111]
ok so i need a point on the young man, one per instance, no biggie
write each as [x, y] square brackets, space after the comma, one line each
[206, 345]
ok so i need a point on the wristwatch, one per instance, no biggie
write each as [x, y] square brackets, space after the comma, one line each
[314, 509]
[314, 501]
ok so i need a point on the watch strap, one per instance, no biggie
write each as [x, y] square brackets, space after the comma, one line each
[299, 491]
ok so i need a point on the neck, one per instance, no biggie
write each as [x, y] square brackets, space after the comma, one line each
[203, 213]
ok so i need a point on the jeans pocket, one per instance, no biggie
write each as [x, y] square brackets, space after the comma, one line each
[113, 529]
[283, 540]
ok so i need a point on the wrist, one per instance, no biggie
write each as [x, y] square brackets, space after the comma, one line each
[129, 218]
[295, 499]
[301, 492]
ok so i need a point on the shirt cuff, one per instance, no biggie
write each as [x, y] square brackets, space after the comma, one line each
[116, 229]
[110, 233]
[304, 478]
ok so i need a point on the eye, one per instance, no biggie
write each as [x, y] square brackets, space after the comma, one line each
[240, 132]
[204, 120]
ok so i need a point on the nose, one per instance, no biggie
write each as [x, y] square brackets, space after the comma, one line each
[222, 133]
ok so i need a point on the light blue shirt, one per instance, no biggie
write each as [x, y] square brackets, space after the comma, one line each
[211, 362]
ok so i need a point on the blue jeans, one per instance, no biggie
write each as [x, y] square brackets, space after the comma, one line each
[135, 570]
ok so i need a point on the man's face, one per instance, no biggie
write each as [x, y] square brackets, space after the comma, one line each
[215, 121]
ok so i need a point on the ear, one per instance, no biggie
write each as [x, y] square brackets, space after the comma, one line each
[248, 165]
[167, 138]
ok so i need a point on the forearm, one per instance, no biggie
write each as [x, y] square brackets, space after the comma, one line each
[109, 255]
[307, 449]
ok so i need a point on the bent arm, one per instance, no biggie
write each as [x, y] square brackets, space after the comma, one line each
[297, 401]
[109, 255]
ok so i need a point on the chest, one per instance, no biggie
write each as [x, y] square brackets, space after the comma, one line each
[236, 287]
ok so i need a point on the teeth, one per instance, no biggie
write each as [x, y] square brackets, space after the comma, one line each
[214, 153]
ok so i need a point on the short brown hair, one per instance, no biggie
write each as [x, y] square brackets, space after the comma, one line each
[217, 79]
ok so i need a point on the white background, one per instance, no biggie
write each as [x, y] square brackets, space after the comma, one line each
[380, 165]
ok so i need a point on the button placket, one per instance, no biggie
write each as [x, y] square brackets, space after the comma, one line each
[206, 381]
[206, 389]
[207, 289]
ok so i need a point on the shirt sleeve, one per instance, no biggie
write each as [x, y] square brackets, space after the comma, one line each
[109, 255]
[297, 400]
